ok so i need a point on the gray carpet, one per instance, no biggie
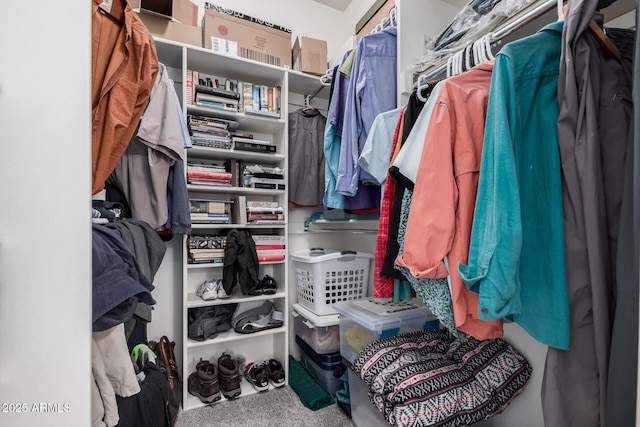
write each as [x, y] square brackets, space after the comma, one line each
[276, 407]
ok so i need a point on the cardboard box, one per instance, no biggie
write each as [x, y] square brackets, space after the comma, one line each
[183, 11]
[171, 30]
[238, 34]
[309, 55]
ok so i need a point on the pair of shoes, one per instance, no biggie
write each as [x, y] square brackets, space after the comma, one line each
[265, 286]
[211, 289]
[203, 383]
[256, 374]
[229, 375]
[260, 374]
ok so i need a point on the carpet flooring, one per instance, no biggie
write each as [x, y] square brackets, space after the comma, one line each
[276, 407]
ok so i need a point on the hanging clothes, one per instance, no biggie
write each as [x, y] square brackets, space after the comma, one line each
[123, 68]
[516, 254]
[374, 158]
[444, 196]
[142, 173]
[592, 90]
[623, 360]
[332, 199]
[372, 90]
[306, 157]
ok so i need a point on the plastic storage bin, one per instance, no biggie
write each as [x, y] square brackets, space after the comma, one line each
[321, 333]
[327, 276]
[365, 321]
[363, 412]
[321, 366]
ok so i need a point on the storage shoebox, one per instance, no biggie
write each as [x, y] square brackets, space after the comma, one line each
[365, 321]
[309, 55]
[235, 33]
[321, 333]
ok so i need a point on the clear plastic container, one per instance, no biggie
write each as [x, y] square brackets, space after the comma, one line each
[365, 321]
[321, 366]
[321, 333]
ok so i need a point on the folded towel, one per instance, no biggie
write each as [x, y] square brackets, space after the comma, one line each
[310, 392]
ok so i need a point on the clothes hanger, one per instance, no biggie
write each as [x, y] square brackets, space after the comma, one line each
[487, 46]
[393, 16]
[386, 21]
[598, 33]
[468, 60]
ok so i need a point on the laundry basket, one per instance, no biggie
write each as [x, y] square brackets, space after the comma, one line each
[326, 276]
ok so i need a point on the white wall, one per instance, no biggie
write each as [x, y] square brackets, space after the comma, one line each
[45, 225]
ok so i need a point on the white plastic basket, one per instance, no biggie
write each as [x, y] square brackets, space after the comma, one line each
[326, 276]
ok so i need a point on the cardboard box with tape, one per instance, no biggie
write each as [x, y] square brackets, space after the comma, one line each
[235, 33]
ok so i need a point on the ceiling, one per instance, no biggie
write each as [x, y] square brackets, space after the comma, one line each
[341, 5]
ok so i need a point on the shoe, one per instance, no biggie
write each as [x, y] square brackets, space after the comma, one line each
[203, 383]
[275, 372]
[256, 374]
[229, 376]
[268, 285]
[222, 294]
[208, 290]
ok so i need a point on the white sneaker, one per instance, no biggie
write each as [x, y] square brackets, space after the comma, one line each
[210, 290]
[221, 292]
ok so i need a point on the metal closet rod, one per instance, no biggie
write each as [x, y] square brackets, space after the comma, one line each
[532, 13]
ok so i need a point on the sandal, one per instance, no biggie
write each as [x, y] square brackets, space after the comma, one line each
[258, 319]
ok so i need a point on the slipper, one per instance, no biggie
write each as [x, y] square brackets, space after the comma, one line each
[258, 319]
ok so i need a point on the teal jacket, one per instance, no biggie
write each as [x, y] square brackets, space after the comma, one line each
[516, 257]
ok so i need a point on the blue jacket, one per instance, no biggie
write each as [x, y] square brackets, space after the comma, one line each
[516, 256]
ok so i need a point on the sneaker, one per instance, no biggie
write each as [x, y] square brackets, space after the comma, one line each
[222, 294]
[208, 290]
[256, 374]
[229, 376]
[203, 383]
[275, 372]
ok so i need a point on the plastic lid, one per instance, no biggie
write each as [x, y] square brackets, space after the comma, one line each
[319, 321]
[380, 320]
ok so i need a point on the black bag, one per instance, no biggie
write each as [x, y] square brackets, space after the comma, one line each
[207, 322]
[167, 363]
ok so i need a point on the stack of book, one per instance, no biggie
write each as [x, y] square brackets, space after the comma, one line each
[263, 176]
[208, 174]
[233, 95]
[209, 132]
[206, 249]
[209, 211]
[269, 247]
[259, 212]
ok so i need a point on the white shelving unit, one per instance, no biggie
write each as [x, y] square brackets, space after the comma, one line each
[272, 343]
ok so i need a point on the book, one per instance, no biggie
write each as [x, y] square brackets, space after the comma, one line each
[223, 93]
[264, 98]
[211, 251]
[207, 206]
[252, 216]
[249, 146]
[233, 167]
[214, 98]
[248, 180]
[190, 95]
[210, 174]
[260, 247]
[216, 105]
[271, 104]
[247, 95]
[265, 186]
[268, 239]
[279, 209]
[261, 204]
[206, 242]
[270, 252]
[270, 258]
[250, 140]
[239, 210]
[255, 97]
[268, 222]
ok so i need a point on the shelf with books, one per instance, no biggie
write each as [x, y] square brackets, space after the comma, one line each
[206, 126]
